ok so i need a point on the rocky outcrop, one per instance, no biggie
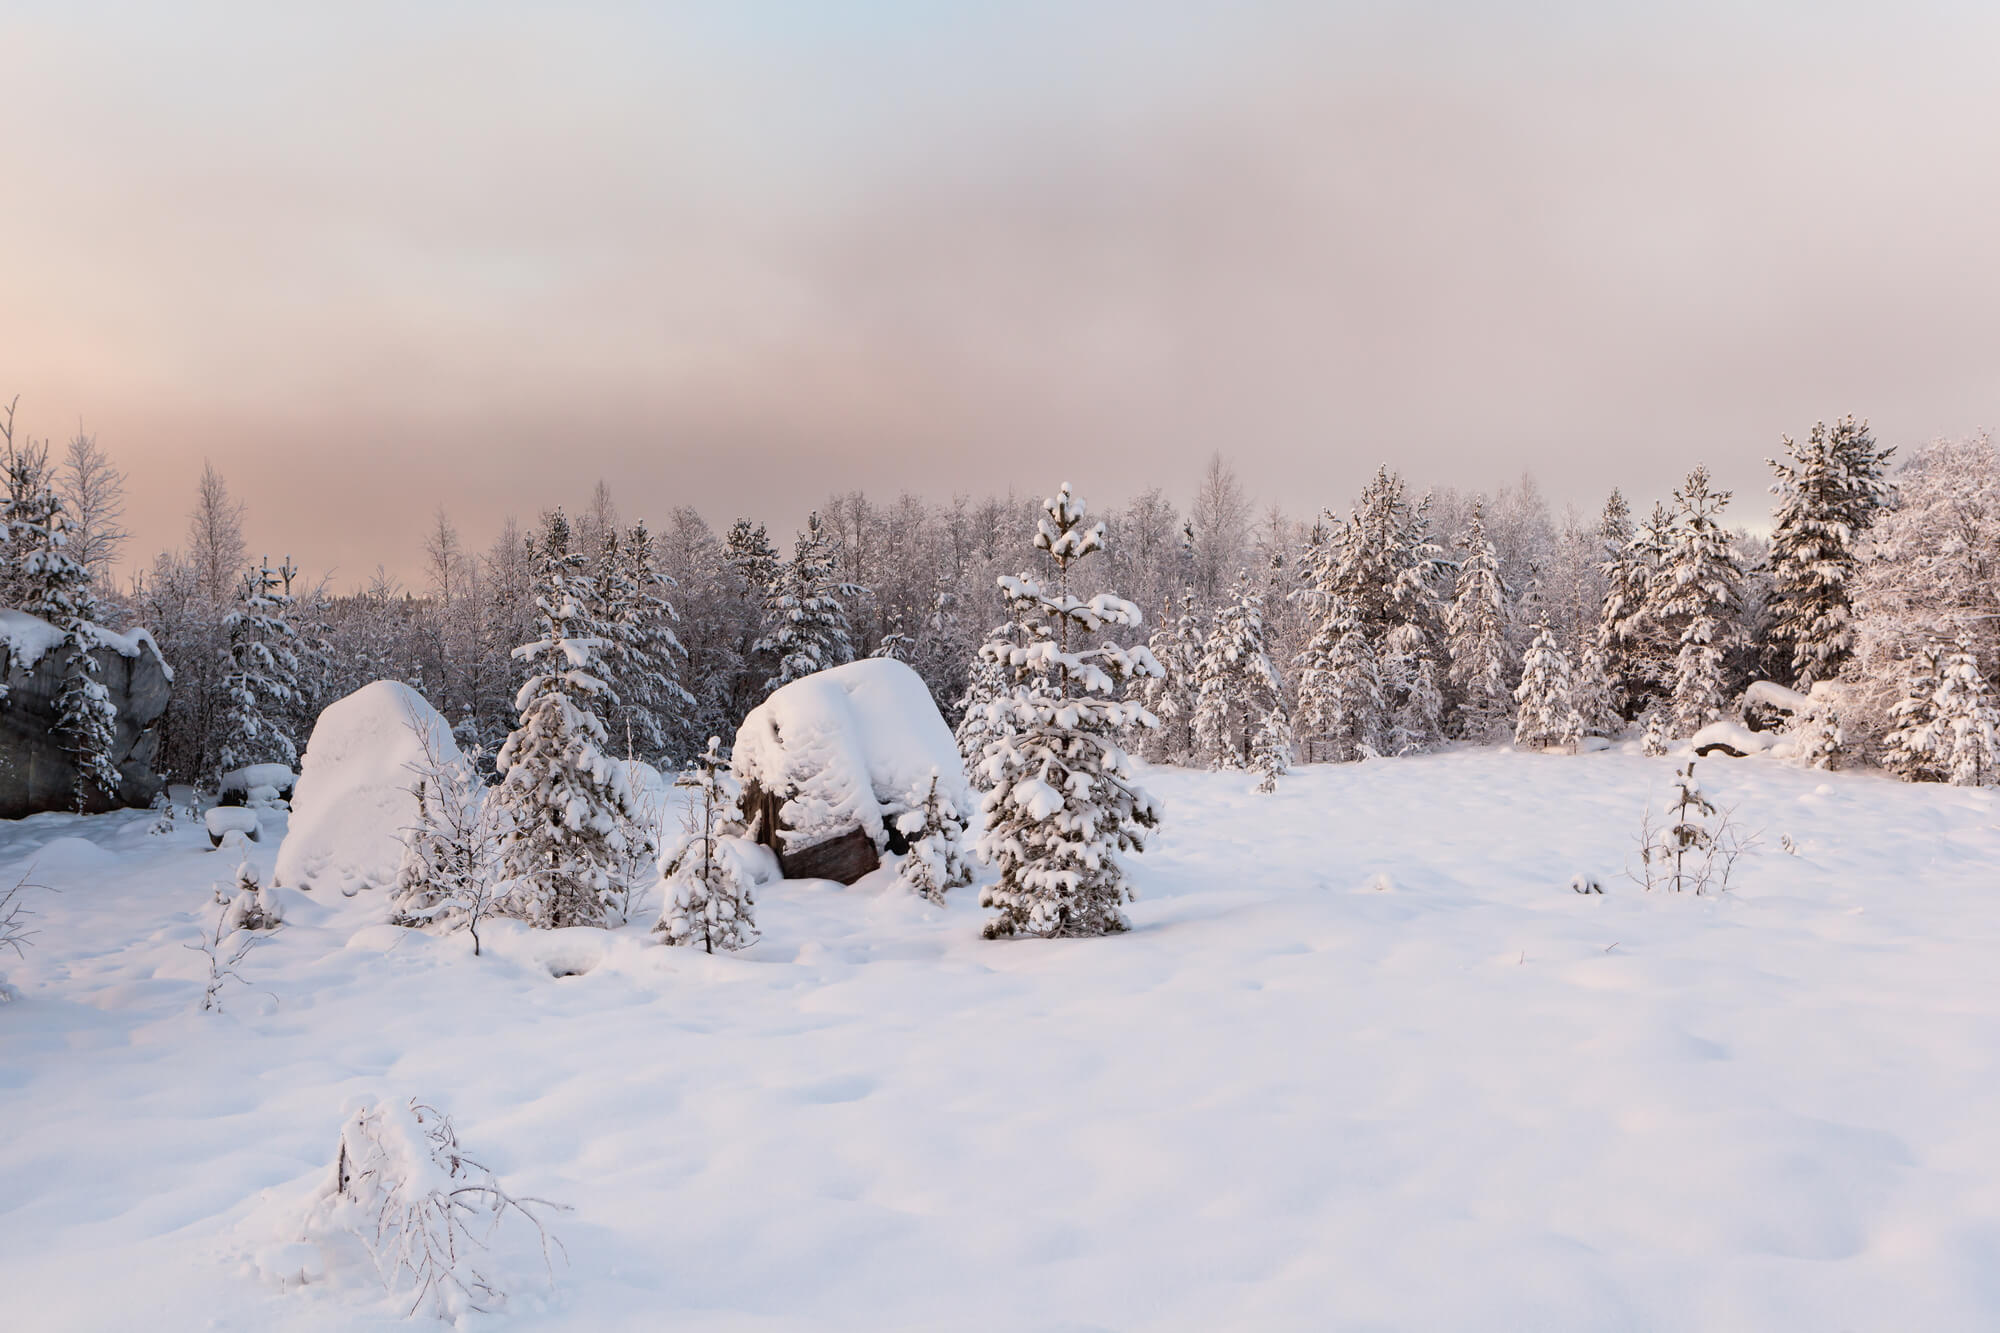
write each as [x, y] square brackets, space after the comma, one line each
[35, 774]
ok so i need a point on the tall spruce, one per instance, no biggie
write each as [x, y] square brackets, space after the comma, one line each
[1062, 803]
[1236, 685]
[567, 808]
[1827, 498]
[1478, 629]
[808, 627]
[1697, 592]
[260, 685]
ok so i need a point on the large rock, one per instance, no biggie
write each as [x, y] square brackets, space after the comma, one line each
[356, 795]
[35, 774]
[828, 761]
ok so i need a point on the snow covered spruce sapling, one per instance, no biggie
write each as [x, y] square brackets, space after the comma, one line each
[707, 892]
[423, 1210]
[936, 861]
[1967, 725]
[247, 905]
[1061, 802]
[566, 806]
[1696, 846]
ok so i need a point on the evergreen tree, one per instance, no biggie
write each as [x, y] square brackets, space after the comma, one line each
[644, 653]
[260, 688]
[1170, 696]
[1910, 750]
[1353, 713]
[1062, 802]
[1697, 591]
[1828, 495]
[1594, 695]
[39, 575]
[1410, 678]
[1271, 750]
[937, 860]
[978, 722]
[709, 897]
[1478, 629]
[808, 625]
[565, 806]
[1627, 576]
[1236, 685]
[1548, 717]
[1967, 725]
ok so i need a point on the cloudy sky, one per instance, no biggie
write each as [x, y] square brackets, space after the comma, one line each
[373, 258]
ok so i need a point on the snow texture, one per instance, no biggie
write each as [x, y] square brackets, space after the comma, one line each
[1277, 1103]
[846, 746]
[353, 801]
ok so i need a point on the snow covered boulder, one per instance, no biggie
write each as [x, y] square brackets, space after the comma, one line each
[225, 819]
[354, 796]
[257, 784]
[36, 773]
[829, 761]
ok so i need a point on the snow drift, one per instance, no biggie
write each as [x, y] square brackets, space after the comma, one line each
[353, 799]
[846, 748]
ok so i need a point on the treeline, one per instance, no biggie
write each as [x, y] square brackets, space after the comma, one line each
[1395, 624]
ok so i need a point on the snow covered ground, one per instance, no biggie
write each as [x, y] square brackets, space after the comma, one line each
[1366, 1062]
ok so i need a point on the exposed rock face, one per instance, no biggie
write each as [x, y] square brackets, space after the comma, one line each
[35, 774]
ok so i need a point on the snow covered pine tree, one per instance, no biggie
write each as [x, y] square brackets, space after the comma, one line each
[1828, 496]
[260, 685]
[707, 896]
[1967, 726]
[1477, 624]
[1699, 589]
[1548, 718]
[1237, 687]
[936, 861]
[1061, 802]
[566, 807]
[808, 625]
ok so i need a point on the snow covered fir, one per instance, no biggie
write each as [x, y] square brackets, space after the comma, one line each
[1013, 914]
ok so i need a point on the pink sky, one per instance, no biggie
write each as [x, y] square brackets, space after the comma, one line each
[746, 255]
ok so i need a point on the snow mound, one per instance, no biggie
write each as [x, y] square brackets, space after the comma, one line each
[353, 799]
[846, 746]
[243, 781]
[1734, 735]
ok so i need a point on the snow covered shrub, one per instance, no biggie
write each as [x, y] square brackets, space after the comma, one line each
[1696, 847]
[1547, 718]
[14, 931]
[1595, 694]
[936, 861]
[566, 806]
[450, 853]
[707, 891]
[246, 905]
[1062, 799]
[1815, 732]
[229, 943]
[163, 814]
[424, 1211]
[1477, 625]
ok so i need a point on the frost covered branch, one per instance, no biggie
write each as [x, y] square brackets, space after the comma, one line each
[423, 1209]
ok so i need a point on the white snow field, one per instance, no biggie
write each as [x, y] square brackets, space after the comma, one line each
[1364, 1062]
